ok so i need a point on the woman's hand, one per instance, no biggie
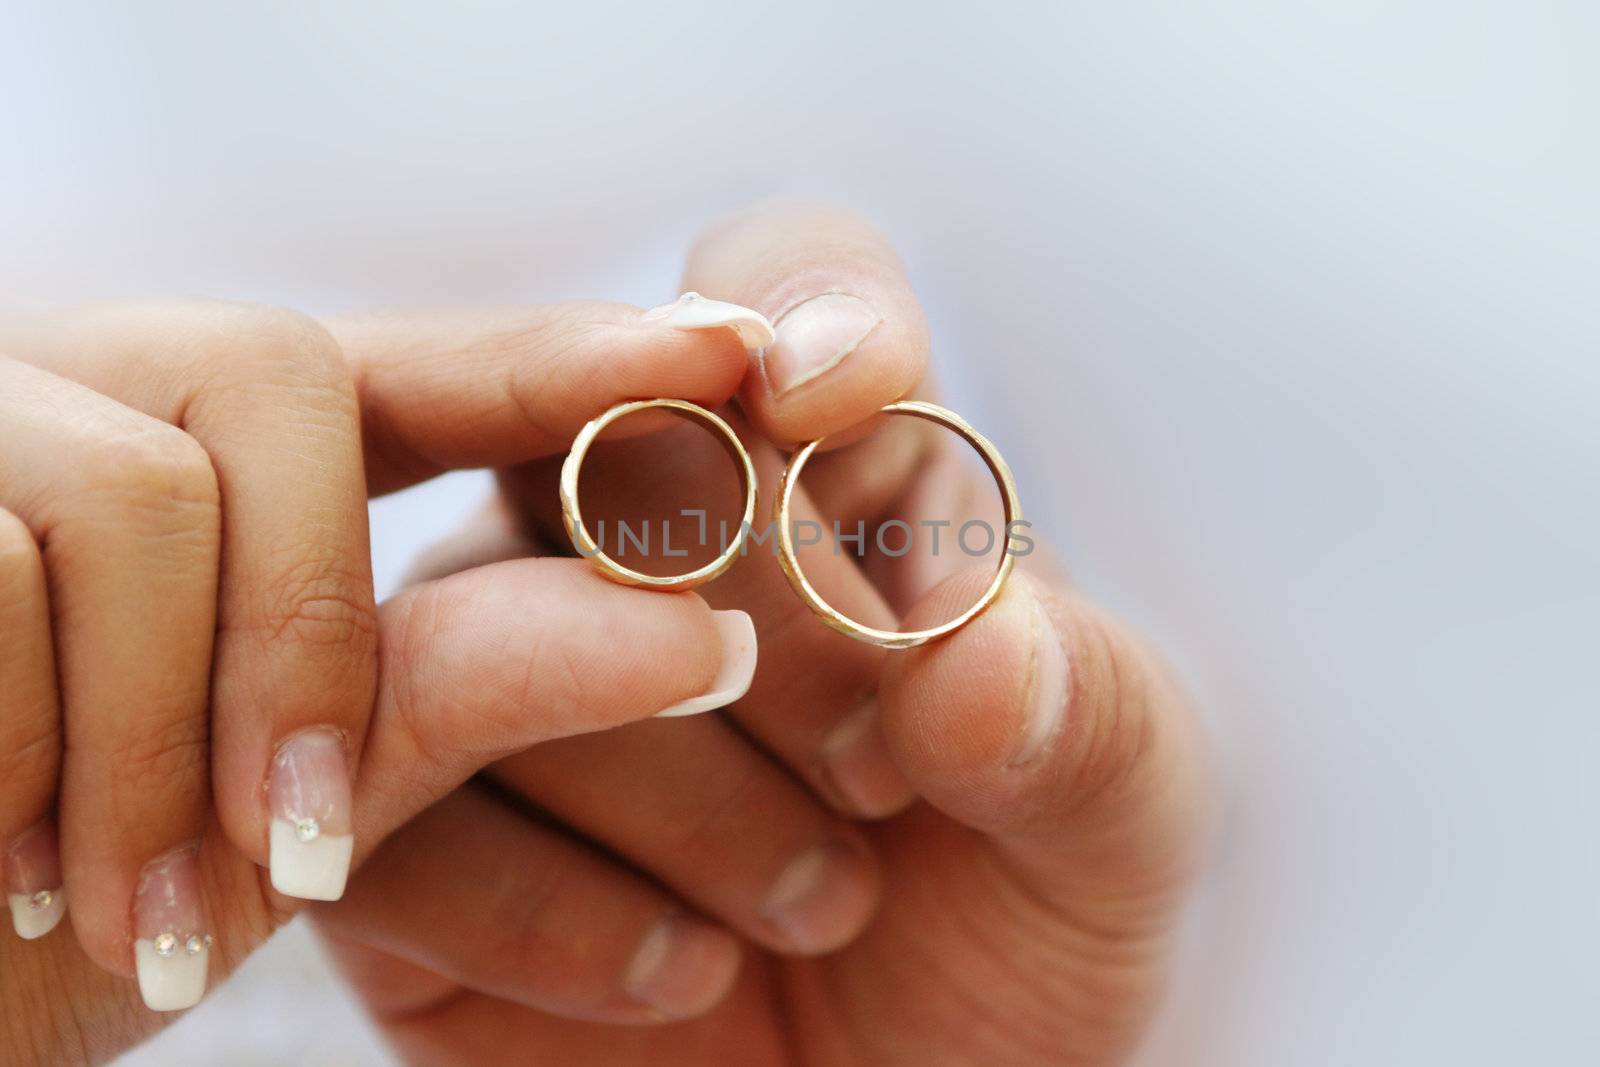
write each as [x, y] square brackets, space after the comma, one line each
[206, 719]
[1040, 781]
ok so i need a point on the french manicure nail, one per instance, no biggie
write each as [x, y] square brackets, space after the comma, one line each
[691, 311]
[814, 337]
[171, 947]
[308, 790]
[738, 634]
[821, 897]
[856, 762]
[1046, 693]
[33, 882]
[683, 966]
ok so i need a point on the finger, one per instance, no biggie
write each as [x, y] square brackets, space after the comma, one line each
[694, 805]
[524, 913]
[127, 509]
[489, 388]
[1048, 727]
[822, 724]
[431, 1020]
[482, 664]
[849, 334]
[266, 392]
[30, 737]
[698, 807]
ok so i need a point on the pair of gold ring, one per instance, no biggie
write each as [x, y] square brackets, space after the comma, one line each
[584, 542]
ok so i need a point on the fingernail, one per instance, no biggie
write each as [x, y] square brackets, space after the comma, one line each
[33, 882]
[1046, 693]
[691, 311]
[683, 967]
[171, 946]
[822, 898]
[308, 790]
[738, 634]
[814, 337]
[857, 764]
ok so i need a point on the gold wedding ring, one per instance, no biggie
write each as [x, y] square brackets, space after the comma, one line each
[572, 515]
[893, 638]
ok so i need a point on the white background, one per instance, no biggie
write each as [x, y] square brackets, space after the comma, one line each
[1286, 313]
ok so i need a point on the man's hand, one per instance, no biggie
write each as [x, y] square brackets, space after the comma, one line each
[1038, 781]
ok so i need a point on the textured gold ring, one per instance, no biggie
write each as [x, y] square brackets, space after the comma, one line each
[572, 514]
[894, 638]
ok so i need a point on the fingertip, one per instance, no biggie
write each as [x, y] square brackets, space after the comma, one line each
[702, 365]
[737, 649]
[835, 360]
[962, 713]
[684, 967]
[34, 889]
[859, 770]
[848, 333]
[824, 897]
[691, 311]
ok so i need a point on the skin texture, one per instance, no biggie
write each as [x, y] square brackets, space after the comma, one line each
[1027, 877]
[870, 858]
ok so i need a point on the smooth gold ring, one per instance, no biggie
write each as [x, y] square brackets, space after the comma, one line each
[894, 638]
[572, 515]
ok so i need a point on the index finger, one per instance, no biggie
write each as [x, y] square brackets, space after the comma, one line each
[849, 334]
[494, 387]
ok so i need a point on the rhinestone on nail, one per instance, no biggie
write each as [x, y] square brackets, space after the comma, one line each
[194, 946]
[307, 830]
[166, 945]
[41, 900]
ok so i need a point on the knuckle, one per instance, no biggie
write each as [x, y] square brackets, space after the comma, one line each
[249, 345]
[158, 759]
[19, 555]
[321, 603]
[30, 756]
[153, 466]
[427, 714]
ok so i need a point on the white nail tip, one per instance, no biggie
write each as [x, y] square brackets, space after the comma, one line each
[738, 633]
[691, 311]
[32, 920]
[311, 870]
[172, 982]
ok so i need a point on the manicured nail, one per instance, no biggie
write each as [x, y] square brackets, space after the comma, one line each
[822, 897]
[814, 337]
[738, 634]
[1046, 693]
[308, 790]
[691, 311]
[33, 882]
[683, 967]
[171, 946]
[856, 762]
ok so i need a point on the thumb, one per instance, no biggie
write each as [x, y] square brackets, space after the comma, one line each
[1048, 727]
[495, 660]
